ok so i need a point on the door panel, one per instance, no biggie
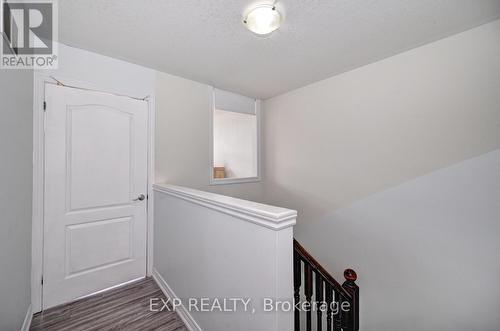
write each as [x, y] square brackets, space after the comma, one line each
[99, 159]
[88, 245]
[95, 168]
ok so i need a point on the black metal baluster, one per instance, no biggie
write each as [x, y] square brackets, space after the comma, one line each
[319, 301]
[328, 300]
[337, 316]
[297, 277]
[308, 284]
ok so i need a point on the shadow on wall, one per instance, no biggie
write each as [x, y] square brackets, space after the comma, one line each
[427, 251]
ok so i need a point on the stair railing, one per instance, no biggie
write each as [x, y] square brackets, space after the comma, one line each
[340, 303]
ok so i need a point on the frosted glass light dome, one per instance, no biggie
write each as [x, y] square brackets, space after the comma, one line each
[263, 19]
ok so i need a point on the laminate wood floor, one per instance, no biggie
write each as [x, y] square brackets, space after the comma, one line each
[125, 308]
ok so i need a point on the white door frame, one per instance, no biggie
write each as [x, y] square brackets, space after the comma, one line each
[39, 83]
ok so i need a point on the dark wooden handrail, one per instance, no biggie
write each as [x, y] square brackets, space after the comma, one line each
[307, 258]
[327, 290]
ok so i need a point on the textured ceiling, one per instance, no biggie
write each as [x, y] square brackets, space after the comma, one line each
[205, 40]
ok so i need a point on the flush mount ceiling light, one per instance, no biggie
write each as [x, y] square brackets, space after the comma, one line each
[263, 19]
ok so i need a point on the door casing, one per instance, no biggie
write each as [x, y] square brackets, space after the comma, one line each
[40, 81]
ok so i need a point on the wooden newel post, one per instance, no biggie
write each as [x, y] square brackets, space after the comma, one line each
[351, 287]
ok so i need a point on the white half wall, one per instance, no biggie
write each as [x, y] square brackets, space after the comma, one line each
[216, 247]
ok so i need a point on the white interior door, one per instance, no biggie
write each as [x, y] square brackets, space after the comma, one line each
[95, 171]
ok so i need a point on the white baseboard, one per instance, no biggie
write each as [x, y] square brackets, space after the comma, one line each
[183, 313]
[27, 319]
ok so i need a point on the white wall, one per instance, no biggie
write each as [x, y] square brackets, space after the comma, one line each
[331, 146]
[235, 143]
[427, 251]
[16, 146]
[215, 247]
[91, 70]
[183, 110]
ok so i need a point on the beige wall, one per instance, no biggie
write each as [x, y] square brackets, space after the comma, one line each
[183, 108]
[346, 137]
[334, 148]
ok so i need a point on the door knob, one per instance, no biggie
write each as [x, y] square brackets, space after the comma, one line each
[140, 197]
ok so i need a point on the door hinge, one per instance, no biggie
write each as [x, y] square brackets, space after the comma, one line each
[44, 105]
